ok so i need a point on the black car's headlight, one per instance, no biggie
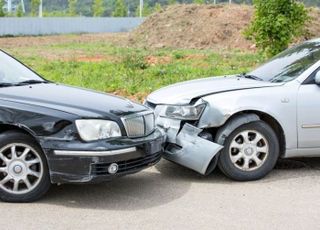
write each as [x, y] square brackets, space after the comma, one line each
[91, 130]
[182, 112]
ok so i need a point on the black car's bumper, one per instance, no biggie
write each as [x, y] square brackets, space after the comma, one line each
[76, 162]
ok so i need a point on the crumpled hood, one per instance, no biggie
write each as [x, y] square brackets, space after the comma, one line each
[80, 102]
[183, 93]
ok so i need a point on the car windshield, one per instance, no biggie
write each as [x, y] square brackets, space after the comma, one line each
[289, 64]
[13, 72]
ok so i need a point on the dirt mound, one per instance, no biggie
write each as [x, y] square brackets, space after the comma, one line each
[314, 25]
[203, 26]
[195, 26]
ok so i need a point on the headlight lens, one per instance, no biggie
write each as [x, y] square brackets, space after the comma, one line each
[183, 112]
[90, 130]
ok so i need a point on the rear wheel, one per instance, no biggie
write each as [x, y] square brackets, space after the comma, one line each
[250, 152]
[24, 173]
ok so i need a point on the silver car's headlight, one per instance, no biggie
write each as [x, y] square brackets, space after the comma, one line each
[182, 112]
[90, 130]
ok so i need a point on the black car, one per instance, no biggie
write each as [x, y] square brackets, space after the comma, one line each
[53, 134]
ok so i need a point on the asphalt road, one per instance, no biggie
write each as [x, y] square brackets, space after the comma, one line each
[170, 197]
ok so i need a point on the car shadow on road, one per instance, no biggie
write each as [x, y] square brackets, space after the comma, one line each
[145, 189]
[284, 169]
[295, 169]
[179, 173]
[161, 185]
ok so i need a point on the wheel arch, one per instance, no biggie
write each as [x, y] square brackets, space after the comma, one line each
[18, 128]
[247, 116]
[24, 130]
[10, 135]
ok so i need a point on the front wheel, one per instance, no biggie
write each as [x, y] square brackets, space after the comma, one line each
[24, 173]
[250, 152]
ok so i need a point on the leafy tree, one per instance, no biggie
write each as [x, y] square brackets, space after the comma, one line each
[35, 7]
[276, 23]
[55, 13]
[72, 7]
[199, 1]
[171, 2]
[2, 13]
[146, 11]
[98, 8]
[19, 11]
[120, 9]
[84, 7]
[157, 7]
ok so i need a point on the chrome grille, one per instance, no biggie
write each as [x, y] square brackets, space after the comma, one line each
[140, 124]
[149, 123]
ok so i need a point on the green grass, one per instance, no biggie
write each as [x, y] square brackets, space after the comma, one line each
[129, 71]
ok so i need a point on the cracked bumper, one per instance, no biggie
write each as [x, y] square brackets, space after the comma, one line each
[185, 147]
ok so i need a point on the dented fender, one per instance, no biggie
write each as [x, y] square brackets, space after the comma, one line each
[187, 148]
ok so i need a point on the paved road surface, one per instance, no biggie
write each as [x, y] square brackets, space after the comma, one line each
[170, 197]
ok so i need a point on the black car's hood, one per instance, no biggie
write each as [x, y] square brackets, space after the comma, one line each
[80, 102]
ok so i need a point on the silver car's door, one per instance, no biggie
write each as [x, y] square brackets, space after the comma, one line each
[308, 108]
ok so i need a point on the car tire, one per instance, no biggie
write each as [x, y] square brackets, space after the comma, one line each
[24, 174]
[250, 152]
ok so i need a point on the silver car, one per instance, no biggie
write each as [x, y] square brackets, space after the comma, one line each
[244, 123]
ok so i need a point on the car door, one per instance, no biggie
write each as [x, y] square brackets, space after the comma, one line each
[308, 111]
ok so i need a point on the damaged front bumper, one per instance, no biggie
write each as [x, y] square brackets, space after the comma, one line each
[186, 147]
[78, 162]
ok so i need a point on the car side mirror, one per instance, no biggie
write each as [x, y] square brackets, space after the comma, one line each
[317, 78]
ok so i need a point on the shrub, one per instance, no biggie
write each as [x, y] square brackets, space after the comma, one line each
[72, 7]
[98, 8]
[157, 7]
[276, 23]
[19, 12]
[199, 1]
[120, 9]
[35, 7]
[135, 62]
[146, 11]
[2, 13]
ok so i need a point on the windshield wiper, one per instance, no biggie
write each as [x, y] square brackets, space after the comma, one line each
[250, 76]
[30, 82]
[6, 85]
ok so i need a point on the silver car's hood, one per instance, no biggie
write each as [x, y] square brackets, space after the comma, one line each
[184, 92]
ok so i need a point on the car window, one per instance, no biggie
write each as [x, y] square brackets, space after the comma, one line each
[290, 64]
[12, 71]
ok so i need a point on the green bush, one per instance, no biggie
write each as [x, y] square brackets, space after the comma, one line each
[120, 9]
[98, 8]
[135, 62]
[19, 12]
[157, 7]
[199, 1]
[55, 13]
[72, 7]
[146, 11]
[35, 7]
[2, 13]
[276, 23]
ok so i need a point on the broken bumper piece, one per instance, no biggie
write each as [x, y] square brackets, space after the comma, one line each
[185, 147]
